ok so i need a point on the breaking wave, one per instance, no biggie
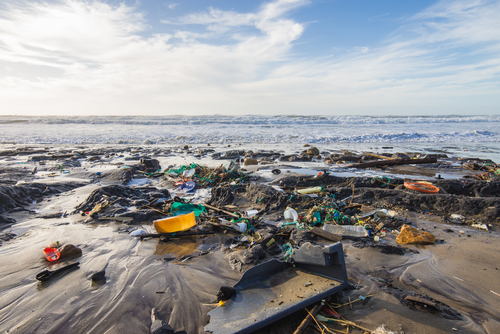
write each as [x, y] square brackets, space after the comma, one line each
[180, 129]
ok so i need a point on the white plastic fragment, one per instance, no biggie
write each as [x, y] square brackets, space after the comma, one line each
[138, 232]
[251, 213]
[480, 226]
[382, 330]
[291, 214]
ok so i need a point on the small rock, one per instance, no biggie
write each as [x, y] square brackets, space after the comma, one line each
[159, 326]
[313, 151]
[225, 293]
[400, 156]
[410, 235]
[69, 250]
[250, 161]
[98, 276]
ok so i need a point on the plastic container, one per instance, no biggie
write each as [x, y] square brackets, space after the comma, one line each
[51, 254]
[251, 213]
[348, 230]
[381, 213]
[291, 214]
[175, 224]
[241, 227]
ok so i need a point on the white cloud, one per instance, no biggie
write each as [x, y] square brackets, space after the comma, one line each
[94, 58]
[172, 5]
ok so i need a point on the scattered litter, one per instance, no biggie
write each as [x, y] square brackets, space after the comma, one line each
[312, 264]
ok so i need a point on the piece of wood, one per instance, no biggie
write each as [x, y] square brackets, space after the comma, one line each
[221, 210]
[326, 234]
[393, 162]
[307, 320]
[159, 211]
[352, 206]
[351, 323]
[378, 156]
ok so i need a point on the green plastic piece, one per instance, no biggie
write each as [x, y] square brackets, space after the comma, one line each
[183, 208]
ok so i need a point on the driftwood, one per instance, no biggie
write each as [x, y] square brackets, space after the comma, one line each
[325, 234]
[378, 156]
[307, 320]
[221, 210]
[393, 162]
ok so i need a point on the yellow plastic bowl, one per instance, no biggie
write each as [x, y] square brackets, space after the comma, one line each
[175, 224]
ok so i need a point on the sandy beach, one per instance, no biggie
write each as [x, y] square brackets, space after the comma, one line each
[50, 194]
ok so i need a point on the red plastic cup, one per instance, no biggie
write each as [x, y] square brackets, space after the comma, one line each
[51, 254]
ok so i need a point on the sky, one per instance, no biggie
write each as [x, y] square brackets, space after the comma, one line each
[302, 57]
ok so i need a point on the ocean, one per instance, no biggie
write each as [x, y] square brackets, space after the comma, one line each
[475, 134]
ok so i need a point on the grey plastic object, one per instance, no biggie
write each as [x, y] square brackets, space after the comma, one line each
[348, 230]
[258, 302]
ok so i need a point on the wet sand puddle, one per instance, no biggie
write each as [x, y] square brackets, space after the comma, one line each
[136, 280]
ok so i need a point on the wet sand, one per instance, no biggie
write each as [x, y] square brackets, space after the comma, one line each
[459, 272]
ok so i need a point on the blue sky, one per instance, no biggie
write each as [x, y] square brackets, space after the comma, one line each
[337, 57]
